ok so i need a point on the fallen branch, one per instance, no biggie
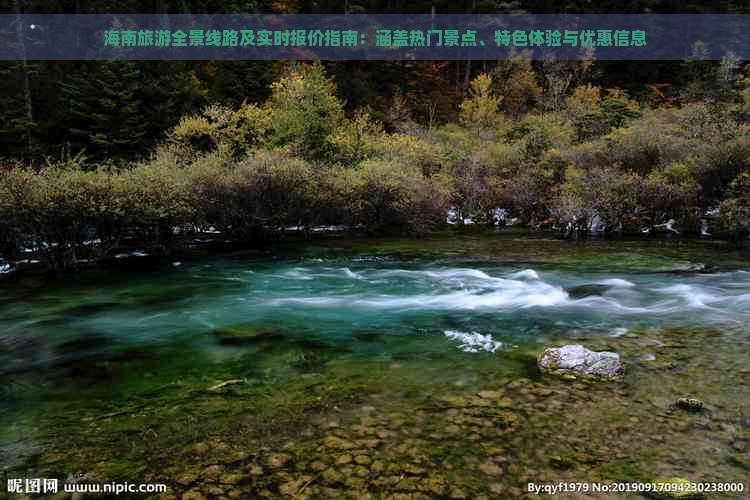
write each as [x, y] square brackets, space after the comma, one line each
[225, 384]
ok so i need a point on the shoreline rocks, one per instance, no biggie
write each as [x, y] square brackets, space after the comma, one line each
[576, 361]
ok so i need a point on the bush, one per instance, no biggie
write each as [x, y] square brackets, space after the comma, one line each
[670, 193]
[390, 193]
[594, 116]
[196, 132]
[238, 131]
[607, 192]
[255, 199]
[57, 211]
[734, 212]
[18, 193]
[539, 133]
[356, 139]
[418, 151]
[155, 201]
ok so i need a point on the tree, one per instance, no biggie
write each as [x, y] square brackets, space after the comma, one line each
[515, 81]
[559, 75]
[480, 109]
[305, 110]
[105, 111]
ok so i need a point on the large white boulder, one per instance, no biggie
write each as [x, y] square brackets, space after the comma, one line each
[576, 360]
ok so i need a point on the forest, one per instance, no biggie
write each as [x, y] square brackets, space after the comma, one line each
[119, 152]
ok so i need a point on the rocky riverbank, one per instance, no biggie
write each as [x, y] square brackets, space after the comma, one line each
[369, 437]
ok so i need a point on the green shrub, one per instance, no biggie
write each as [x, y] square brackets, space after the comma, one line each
[670, 193]
[608, 192]
[540, 133]
[156, 203]
[335, 200]
[356, 139]
[529, 192]
[417, 151]
[236, 130]
[696, 135]
[255, 199]
[390, 193]
[196, 132]
[57, 210]
[305, 111]
[594, 115]
[734, 212]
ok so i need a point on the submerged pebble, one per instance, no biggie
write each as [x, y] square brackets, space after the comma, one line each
[690, 404]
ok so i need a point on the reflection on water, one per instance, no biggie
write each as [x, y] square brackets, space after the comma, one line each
[431, 317]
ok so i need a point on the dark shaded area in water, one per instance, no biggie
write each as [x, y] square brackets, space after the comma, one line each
[426, 347]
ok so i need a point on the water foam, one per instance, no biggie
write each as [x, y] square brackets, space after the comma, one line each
[693, 295]
[528, 274]
[396, 290]
[351, 274]
[617, 282]
[473, 341]
[618, 332]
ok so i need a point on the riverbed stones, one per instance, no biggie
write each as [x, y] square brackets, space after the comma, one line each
[244, 334]
[361, 471]
[200, 449]
[577, 361]
[493, 395]
[332, 476]
[337, 443]
[318, 466]
[278, 460]
[212, 473]
[193, 495]
[674, 488]
[232, 478]
[186, 479]
[491, 469]
[692, 405]
[291, 488]
[369, 443]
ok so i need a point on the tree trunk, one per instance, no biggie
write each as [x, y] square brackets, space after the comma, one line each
[26, 79]
[467, 76]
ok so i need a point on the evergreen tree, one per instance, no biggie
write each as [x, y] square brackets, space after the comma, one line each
[118, 109]
[105, 110]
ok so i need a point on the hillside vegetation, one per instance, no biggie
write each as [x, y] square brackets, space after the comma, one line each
[588, 160]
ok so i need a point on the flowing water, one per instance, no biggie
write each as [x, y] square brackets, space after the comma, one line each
[137, 375]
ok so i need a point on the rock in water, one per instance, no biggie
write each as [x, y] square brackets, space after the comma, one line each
[244, 334]
[578, 361]
[583, 291]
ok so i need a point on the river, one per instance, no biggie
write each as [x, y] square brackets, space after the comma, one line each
[418, 356]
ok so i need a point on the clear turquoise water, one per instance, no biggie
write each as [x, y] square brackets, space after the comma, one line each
[449, 309]
[369, 303]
